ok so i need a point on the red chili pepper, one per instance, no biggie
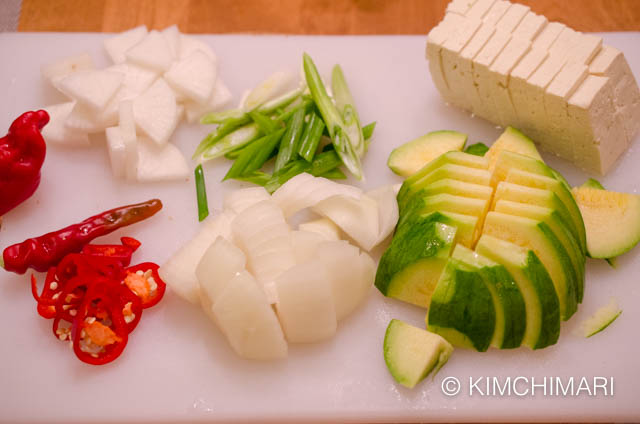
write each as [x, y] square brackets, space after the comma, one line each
[22, 153]
[145, 282]
[45, 251]
[98, 340]
[122, 252]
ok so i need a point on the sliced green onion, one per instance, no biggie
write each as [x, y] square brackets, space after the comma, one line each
[220, 117]
[334, 174]
[232, 155]
[229, 126]
[256, 177]
[325, 162]
[332, 118]
[279, 102]
[266, 124]
[254, 155]
[201, 193]
[346, 105]
[367, 130]
[285, 174]
[289, 142]
[232, 141]
[311, 137]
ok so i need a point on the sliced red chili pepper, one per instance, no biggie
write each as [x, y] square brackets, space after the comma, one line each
[131, 307]
[131, 242]
[99, 340]
[50, 292]
[123, 251]
[145, 282]
[77, 264]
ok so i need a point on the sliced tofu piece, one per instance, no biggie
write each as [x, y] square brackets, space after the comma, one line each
[499, 72]
[610, 62]
[530, 26]
[436, 38]
[459, 6]
[497, 11]
[450, 58]
[597, 128]
[481, 74]
[548, 35]
[556, 130]
[518, 86]
[512, 17]
[479, 9]
[466, 65]
[585, 48]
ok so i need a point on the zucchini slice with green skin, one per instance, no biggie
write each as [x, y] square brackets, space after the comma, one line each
[603, 318]
[512, 140]
[410, 157]
[412, 353]
[612, 221]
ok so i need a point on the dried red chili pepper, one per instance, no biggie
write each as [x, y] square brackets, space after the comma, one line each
[45, 251]
[145, 282]
[22, 153]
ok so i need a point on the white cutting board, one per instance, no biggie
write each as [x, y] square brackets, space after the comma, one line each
[178, 367]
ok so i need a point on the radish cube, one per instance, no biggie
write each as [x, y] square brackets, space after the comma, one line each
[194, 76]
[55, 71]
[220, 97]
[189, 44]
[128, 132]
[152, 52]
[118, 45]
[172, 35]
[220, 263]
[160, 163]
[56, 132]
[117, 154]
[155, 112]
[91, 88]
[81, 119]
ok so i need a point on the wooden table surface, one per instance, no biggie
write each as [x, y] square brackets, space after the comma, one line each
[299, 16]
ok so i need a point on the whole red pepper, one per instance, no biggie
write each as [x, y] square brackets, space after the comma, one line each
[45, 251]
[22, 153]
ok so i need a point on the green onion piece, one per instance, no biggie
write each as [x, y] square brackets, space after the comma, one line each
[256, 177]
[232, 155]
[232, 141]
[311, 137]
[254, 155]
[201, 193]
[332, 118]
[279, 102]
[289, 142]
[285, 174]
[266, 124]
[325, 162]
[334, 174]
[220, 117]
[478, 149]
[346, 105]
[227, 127]
[367, 130]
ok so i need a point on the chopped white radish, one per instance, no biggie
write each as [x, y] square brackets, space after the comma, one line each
[220, 263]
[264, 222]
[305, 190]
[172, 35]
[239, 200]
[160, 163]
[82, 119]
[385, 196]
[244, 315]
[136, 78]
[155, 111]
[56, 71]
[179, 271]
[92, 88]
[179, 112]
[117, 46]
[275, 85]
[358, 218]
[305, 244]
[305, 303]
[243, 99]
[322, 226]
[117, 154]
[348, 273]
[129, 139]
[55, 132]
[152, 51]
[194, 76]
[220, 97]
[189, 44]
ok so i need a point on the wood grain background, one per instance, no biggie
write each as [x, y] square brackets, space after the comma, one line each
[299, 16]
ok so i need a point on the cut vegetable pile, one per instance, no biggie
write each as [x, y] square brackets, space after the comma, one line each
[248, 258]
[158, 77]
[301, 126]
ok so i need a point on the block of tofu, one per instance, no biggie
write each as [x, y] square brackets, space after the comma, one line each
[496, 12]
[530, 26]
[481, 74]
[465, 66]
[450, 57]
[512, 17]
[479, 9]
[548, 35]
[596, 126]
[610, 62]
[499, 72]
[518, 86]
[556, 132]
[459, 6]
